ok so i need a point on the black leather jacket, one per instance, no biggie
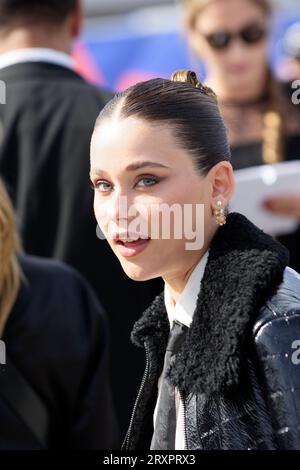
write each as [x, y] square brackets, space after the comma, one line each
[237, 369]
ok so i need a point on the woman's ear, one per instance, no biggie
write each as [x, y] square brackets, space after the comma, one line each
[76, 19]
[222, 180]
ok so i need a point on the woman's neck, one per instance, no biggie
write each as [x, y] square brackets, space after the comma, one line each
[239, 95]
[176, 283]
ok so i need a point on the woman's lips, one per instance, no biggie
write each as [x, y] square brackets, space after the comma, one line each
[129, 249]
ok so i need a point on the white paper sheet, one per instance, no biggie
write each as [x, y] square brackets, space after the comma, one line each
[255, 184]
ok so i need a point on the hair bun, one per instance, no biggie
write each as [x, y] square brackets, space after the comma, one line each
[189, 76]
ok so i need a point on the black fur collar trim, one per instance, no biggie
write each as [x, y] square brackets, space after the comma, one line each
[244, 267]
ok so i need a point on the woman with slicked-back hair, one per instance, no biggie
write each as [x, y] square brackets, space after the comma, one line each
[221, 369]
[54, 387]
[231, 38]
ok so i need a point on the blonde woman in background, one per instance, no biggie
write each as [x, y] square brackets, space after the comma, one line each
[10, 271]
[54, 390]
[231, 38]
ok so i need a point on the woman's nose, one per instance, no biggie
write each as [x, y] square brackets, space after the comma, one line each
[121, 206]
[118, 206]
[237, 49]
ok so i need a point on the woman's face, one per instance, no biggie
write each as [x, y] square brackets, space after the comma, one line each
[239, 64]
[138, 169]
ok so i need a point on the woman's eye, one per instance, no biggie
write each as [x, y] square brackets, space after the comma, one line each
[102, 186]
[147, 182]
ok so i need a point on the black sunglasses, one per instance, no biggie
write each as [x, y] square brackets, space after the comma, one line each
[250, 35]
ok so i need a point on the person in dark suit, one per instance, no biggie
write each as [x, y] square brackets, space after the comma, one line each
[46, 125]
[54, 379]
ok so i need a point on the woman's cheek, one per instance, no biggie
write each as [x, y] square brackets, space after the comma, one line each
[100, 218]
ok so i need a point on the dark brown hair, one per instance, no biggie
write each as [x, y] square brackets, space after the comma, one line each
[48, 11]
[184, 104]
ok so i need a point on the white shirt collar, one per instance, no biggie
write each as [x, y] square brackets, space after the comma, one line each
[186, 304]
[36, 54]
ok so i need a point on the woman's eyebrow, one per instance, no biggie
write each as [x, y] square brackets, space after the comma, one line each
[132, 167]
[138, 165]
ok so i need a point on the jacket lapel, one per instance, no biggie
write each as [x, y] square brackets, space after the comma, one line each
[244, 267]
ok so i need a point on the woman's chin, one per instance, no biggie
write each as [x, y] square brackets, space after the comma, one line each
[138, 273]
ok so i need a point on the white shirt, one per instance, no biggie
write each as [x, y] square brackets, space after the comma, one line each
[35, 54]
[183, 311]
